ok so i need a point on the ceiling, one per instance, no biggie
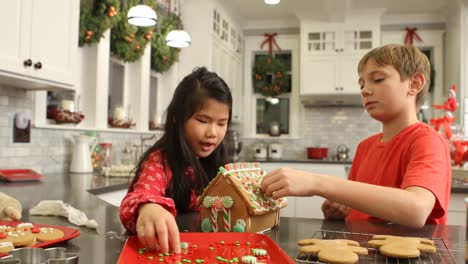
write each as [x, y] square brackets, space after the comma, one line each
[291, 9]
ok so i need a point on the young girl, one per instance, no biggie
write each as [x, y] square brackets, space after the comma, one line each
[177, 168]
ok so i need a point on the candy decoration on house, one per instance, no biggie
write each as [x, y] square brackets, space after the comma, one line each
[233, 201]
[269, 77]
[128, 42]
[449, 106]
[163, 56]
[96, 20]
[411, 34]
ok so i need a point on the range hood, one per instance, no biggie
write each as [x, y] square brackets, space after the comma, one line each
[331, 100]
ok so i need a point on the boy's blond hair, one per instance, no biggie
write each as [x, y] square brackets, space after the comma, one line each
[406, 59]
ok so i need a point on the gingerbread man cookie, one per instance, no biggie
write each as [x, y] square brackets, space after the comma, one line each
[333, 250]
[47, 233]
[402, 247]
[6, 247]
[17, 237]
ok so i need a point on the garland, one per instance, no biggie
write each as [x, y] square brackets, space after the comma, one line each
[127, 41]
[93, 23]
[269, 76]
[163, 56]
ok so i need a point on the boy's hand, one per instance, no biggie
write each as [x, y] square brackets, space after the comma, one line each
[157, 228]
[288, 182]
[333, 210]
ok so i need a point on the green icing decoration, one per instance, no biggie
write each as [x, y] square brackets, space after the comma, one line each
[228, 202]
[238, 228]
[206, 225]
[183, 245]
[208, 201]
[222, 170]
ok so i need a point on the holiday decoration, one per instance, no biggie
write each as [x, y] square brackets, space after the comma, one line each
[449, 106]
[457, 142]
[121, 123]
[163, 56]
[411, 34]
[128, 42]
[271, 41]
[96, 20]
[269, 76]
[67, 117]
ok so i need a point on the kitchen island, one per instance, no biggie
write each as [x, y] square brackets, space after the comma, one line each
[105, 244]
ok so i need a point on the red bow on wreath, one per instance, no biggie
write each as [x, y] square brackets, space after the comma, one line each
[270, 40]
[410, 35]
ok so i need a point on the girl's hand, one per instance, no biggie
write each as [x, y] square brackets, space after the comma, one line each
[157, 228]
[333, 210]
[288, 182]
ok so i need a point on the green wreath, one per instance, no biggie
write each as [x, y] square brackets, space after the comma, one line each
[128, 42]
[163, 56]
[94, 22]
[269, 76]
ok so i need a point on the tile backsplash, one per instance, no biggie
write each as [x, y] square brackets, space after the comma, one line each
[50, 149]
[324, 127]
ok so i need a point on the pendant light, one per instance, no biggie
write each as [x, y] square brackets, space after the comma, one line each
[142, 15]
[271, 2]
[178, 38]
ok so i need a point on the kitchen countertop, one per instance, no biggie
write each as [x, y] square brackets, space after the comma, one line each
[105, 244]
[315, 161]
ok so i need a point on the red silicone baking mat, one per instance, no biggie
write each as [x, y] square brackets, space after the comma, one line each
[68, 232]
[208, 247]
[14, 175]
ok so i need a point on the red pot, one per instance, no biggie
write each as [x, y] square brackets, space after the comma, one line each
[317, 153]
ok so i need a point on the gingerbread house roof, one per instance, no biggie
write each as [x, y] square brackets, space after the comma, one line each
[245, 179]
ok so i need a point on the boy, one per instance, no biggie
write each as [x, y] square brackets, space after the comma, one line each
[402, 175]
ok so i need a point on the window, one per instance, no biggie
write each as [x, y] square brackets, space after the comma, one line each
[272, 113]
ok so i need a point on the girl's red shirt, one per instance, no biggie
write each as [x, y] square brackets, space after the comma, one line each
[151, 187]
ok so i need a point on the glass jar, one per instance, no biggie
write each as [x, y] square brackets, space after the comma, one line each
[105, 156]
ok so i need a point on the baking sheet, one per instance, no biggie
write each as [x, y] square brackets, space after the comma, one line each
[223, 244]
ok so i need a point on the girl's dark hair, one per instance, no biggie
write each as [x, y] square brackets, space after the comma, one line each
[189, 97]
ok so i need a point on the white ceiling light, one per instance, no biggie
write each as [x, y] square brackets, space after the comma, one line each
[271, 2]
[178, 39]
[142, 16]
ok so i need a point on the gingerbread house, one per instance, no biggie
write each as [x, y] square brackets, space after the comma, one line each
[233, 201]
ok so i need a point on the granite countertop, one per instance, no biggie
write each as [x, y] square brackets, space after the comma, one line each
[105, 244]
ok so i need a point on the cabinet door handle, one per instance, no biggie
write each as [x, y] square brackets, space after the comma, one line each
[27, 63]
[38, 65]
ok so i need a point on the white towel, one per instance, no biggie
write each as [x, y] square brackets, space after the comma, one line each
[57, 207]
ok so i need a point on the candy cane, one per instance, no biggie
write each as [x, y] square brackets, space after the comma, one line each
[227, 219]
[214, 218]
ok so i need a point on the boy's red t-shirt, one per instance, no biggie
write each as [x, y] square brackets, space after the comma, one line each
[417, 156]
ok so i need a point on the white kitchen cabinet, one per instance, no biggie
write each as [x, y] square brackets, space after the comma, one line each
[330, 53]
[306, 207]
[39, 42]
[333, 39]
[457, 209]
[216, 31]
[330, 74]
